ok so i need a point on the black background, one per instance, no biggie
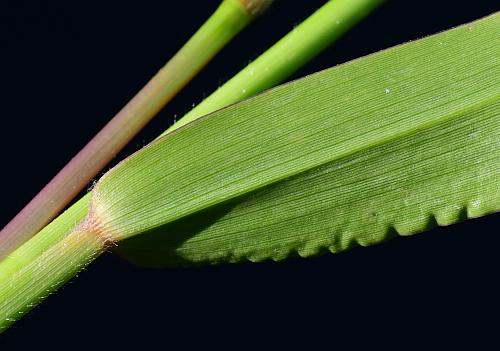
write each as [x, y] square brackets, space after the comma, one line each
[66, 67]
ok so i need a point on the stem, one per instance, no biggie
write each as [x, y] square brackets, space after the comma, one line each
[45, 239]
[229, 18]
[35, 281]
[19, 266]
[294, 50]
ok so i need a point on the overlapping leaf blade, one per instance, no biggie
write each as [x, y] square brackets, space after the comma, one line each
[393, 142]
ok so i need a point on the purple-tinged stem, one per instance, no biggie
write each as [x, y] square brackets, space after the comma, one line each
[229, 18]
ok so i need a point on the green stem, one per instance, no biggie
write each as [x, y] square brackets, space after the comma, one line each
[20, 266]
[294, 50]
[47, 272]
[46, 238]
[229, 18]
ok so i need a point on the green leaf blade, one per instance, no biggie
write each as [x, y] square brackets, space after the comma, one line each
[386, 142]
[360, 200]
